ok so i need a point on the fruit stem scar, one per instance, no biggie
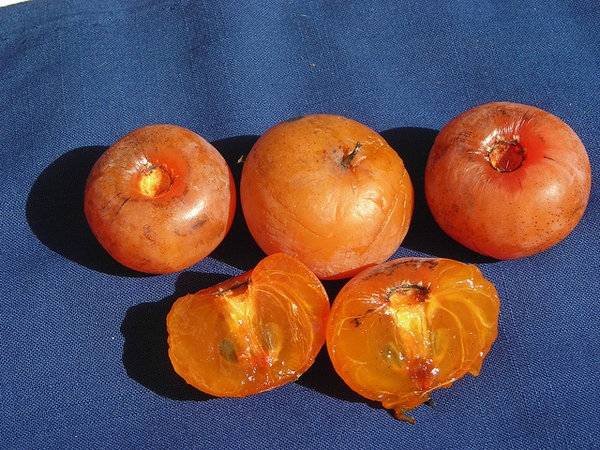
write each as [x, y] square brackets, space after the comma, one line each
[348, 159]
[506, 155]
[155, 181]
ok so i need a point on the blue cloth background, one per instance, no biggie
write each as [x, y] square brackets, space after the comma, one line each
[83, 359]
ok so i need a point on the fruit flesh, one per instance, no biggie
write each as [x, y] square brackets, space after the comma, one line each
[251, 333]
[402, 329]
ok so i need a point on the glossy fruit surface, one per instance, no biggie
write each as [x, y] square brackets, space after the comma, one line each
[254, 332]
[160, 199]
[507, 180]
[399, 330]
[328, 191]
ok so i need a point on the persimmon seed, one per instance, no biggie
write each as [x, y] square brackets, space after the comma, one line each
[392, 354]
[273, 335]
[227, 351]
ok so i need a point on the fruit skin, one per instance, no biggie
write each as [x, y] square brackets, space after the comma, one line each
[329, 191]
[515, 213]
[251, 333]
[400, 330]
[160, 199]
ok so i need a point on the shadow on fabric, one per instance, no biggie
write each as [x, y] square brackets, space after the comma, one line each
[54, 212]
[54, 208]
[425, 235]
[238, 249]
[322, 377]
[145, 350]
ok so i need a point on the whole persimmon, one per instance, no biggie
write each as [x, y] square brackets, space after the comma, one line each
[329, 191]
[252, 333]
[160, 199]
[399, 330]
[507, 180]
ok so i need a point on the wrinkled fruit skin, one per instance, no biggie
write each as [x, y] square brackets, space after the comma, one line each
[160, 199]
[507, 180]
[400, 330]
[328, 191]
[252, 333]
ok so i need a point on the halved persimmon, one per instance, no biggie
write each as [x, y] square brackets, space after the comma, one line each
[251, 333]
[399, 330]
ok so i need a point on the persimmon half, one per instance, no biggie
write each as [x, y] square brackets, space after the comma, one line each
[251, 333]
[401, 329]
[329, 191]
[160, 199]
[507, 180]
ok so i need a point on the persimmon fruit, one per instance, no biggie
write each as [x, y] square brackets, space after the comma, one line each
[251, 333]
[329, 191]
[160, 199]
[401, 329]
[507, 180]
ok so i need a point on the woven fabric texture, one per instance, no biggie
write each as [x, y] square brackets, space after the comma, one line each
[83, 360]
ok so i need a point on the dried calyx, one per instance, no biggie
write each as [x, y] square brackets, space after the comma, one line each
[506, 155]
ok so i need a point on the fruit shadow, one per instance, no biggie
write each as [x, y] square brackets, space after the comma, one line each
[238, 249]
[54, 212]
[425, 235]
[322, 377]
[145, 349]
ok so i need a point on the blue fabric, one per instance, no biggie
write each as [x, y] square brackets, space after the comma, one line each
[82, 341]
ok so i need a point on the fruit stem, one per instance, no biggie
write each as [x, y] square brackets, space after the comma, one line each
[348, 159]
